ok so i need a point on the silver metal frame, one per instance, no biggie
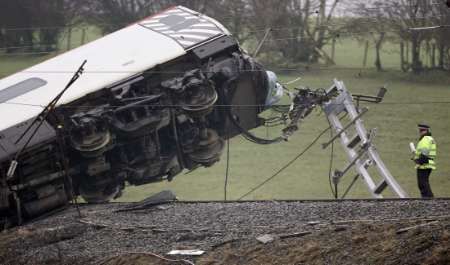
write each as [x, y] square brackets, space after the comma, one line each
[363, 154]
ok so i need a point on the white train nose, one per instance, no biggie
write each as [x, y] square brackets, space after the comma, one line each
[274, 91]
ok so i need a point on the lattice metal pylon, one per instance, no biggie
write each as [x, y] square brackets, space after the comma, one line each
[360, 150]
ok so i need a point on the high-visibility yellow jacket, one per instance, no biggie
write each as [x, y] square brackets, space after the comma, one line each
[426, 147]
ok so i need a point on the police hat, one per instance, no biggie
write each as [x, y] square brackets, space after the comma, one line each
[423, 127]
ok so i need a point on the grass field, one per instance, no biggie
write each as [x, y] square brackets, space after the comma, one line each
[307, 178]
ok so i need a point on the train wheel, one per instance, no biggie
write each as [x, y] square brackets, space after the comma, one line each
[99, 189]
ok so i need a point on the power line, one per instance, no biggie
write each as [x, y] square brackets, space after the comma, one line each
[358, 71]
[302, 69]
[228, 18]
[214, 106]
[336, 32]
[334, 35]
[26, 53]
[34, 45]
[285, 166]
[227, 170]
[275, 28]
[430, 27]
[330, 168]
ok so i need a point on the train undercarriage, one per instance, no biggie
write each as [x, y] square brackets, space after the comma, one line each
[144, 129]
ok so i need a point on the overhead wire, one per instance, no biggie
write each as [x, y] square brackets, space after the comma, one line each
[313, 12]
[81, 107]
[227, 168]
[349, 186]
[323, 25]
[284, 167]
[262, 29]
[330, 168]
[299, 70]
[334, 190]
[335, 33]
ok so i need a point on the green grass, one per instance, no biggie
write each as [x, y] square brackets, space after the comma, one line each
[10, 64]
[307, 178]
[350, 53]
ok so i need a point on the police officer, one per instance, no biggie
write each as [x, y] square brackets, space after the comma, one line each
[425, 160]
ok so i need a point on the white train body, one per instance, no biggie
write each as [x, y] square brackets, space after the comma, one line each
[113, 58]
[155, 98]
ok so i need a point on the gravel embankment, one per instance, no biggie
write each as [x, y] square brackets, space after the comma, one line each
[104, 232]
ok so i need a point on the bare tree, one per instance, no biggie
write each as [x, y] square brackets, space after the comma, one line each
[370, 21]
[320, 32]
[441, 36]
[15, 21]
[34, 24]
[234, 14]
[301, 28]
[111, 15]
[48, 18]
[404, 17]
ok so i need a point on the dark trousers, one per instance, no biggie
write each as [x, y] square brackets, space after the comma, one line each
[423, 176]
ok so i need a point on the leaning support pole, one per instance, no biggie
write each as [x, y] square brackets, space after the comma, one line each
[31, 131]
[39, 120]
[358, 143]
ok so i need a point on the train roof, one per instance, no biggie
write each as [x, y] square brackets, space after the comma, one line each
[111, 59]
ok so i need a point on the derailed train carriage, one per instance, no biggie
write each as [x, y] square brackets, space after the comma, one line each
[156, 97]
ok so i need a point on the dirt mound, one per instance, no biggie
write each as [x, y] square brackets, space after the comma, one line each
[400, 242]
[420, 243]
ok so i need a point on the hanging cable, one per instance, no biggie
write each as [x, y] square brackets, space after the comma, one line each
[39, 120]
[251, 137]
[334, 190]
[285, 166]
[244, 132]
[330, 168]
[271, 123]
[67, 178]
[350, 186]
[227, 169]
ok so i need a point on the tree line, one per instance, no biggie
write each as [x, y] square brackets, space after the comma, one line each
[33, 24]
[295, 31]
[419, 26]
